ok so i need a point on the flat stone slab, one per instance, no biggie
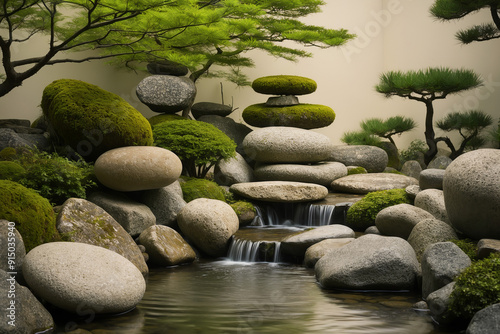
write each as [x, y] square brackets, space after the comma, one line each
[365, 183]
[280, 191]
[321, 173]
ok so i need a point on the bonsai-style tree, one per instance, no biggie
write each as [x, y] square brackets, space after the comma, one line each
[456, 9]
[197, 34]
[198, 145]
[427, 86]
[469, 125]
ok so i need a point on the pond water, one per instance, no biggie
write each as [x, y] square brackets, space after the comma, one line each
[237, 297]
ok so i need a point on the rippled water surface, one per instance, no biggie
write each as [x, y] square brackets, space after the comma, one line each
[231, 297]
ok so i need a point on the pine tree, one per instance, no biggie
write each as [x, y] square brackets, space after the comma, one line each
[469, 125]
[456, 9]
[426, 86]
[198, 34]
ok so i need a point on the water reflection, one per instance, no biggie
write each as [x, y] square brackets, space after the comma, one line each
[227, 297]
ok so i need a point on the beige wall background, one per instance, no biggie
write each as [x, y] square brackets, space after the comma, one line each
[392, 35]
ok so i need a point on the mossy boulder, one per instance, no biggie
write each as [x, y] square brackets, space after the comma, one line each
[193, 188]
[10, 170]
[245, 211]
[31, 212]
[165, 118]
[361, 214]
[91, 120]
[284, 85]
[305, 116]
[8, 153]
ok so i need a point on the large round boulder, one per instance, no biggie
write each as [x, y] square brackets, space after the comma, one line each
[284, 85]
[370, 262]
[137, 168]
[399, 220]
[166, 93]
[209, 224]
[82, 221]
[91, 120]
[471, 190]
[428, 232]
[305, 116]
[321, 173]
[279, 144]
[70, 275]
[372, 158]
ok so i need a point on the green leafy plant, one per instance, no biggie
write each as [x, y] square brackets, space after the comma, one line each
[55, 177]
[361, 214]
[197, 34]
[413, 152]
[360, 138]
[477, 287]
[426, 86]
[469, 125]
[199, 145]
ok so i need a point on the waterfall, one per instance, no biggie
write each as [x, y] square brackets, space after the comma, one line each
[290, 214]
[242, 250]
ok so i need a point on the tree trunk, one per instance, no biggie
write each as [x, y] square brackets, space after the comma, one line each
[429, 133]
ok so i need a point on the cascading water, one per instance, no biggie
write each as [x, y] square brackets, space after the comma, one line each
[261, 241]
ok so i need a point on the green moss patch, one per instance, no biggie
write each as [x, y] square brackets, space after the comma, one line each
[92, 120]
[10, 170]
[305, 116]
[361, 214]
[284, 85]
[165, 118]
[193, 188]
[32, 214]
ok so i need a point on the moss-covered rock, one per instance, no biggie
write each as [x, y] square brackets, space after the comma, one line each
[284, 85]
[193, 188]
[351, 170]
[165, 118]
[10, 170]
[305, 116]
[361, 214]
[245, 211]
[8, 153]
[31, 212]
[92, 120]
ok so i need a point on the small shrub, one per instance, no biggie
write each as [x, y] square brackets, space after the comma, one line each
[199, 145]
[416, 149]
[477, 287]
[55, 177]
[8, 153]
[361, 214]
[193, 188]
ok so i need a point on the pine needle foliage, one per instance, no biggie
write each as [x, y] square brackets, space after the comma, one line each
[426, 86]
[469, 125]
[446, 10]
[197, 34]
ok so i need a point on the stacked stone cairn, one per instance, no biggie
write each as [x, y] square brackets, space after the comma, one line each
[284, 148]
